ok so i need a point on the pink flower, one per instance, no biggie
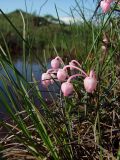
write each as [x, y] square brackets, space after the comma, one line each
[46, 79]
[90, 82]
[55, 63]
[105, 5]
[61, 75]
[67, 88]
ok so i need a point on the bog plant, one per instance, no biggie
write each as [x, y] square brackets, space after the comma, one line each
[105, 5]
[82, 120]
[90, 81]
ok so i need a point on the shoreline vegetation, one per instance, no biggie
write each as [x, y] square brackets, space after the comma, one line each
[82, 121]
[44, 34]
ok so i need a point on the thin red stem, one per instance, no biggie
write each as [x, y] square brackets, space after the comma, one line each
[59, 59]
[68, 66]
[74, 61]
[76, 75]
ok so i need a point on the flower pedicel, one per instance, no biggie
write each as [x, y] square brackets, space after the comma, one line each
[90, 81]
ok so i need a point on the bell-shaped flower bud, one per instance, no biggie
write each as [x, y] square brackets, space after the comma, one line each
[46, 79]
[105, 6]
[90, 82]
[62, 75]
[55, 63]
[67, 88]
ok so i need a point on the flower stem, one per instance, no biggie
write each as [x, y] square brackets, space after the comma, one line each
[76, 75]
[68, 66]
[59, 59]
[74, 61]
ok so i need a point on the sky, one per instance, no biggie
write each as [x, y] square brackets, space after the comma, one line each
[33, 6]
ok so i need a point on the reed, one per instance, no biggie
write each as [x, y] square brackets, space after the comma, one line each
[80, 126]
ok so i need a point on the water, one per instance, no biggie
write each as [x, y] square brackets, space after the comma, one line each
[37, 71]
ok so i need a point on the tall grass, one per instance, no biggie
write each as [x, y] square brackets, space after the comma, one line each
[82, 126]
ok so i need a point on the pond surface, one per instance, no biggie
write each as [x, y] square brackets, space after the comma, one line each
[37, 71]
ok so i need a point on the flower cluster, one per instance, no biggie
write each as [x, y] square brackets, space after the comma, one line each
[105, 5]
[60, 73]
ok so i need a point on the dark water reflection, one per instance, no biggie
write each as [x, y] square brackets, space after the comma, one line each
[37, 71]
[29, 66]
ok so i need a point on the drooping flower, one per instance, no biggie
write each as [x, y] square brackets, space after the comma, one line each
[67, 88]
[90, 82]
[55, 63]
[105, 5]
[62, 75]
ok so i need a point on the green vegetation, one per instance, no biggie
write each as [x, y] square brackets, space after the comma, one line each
[44, 32]
[82, 126]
